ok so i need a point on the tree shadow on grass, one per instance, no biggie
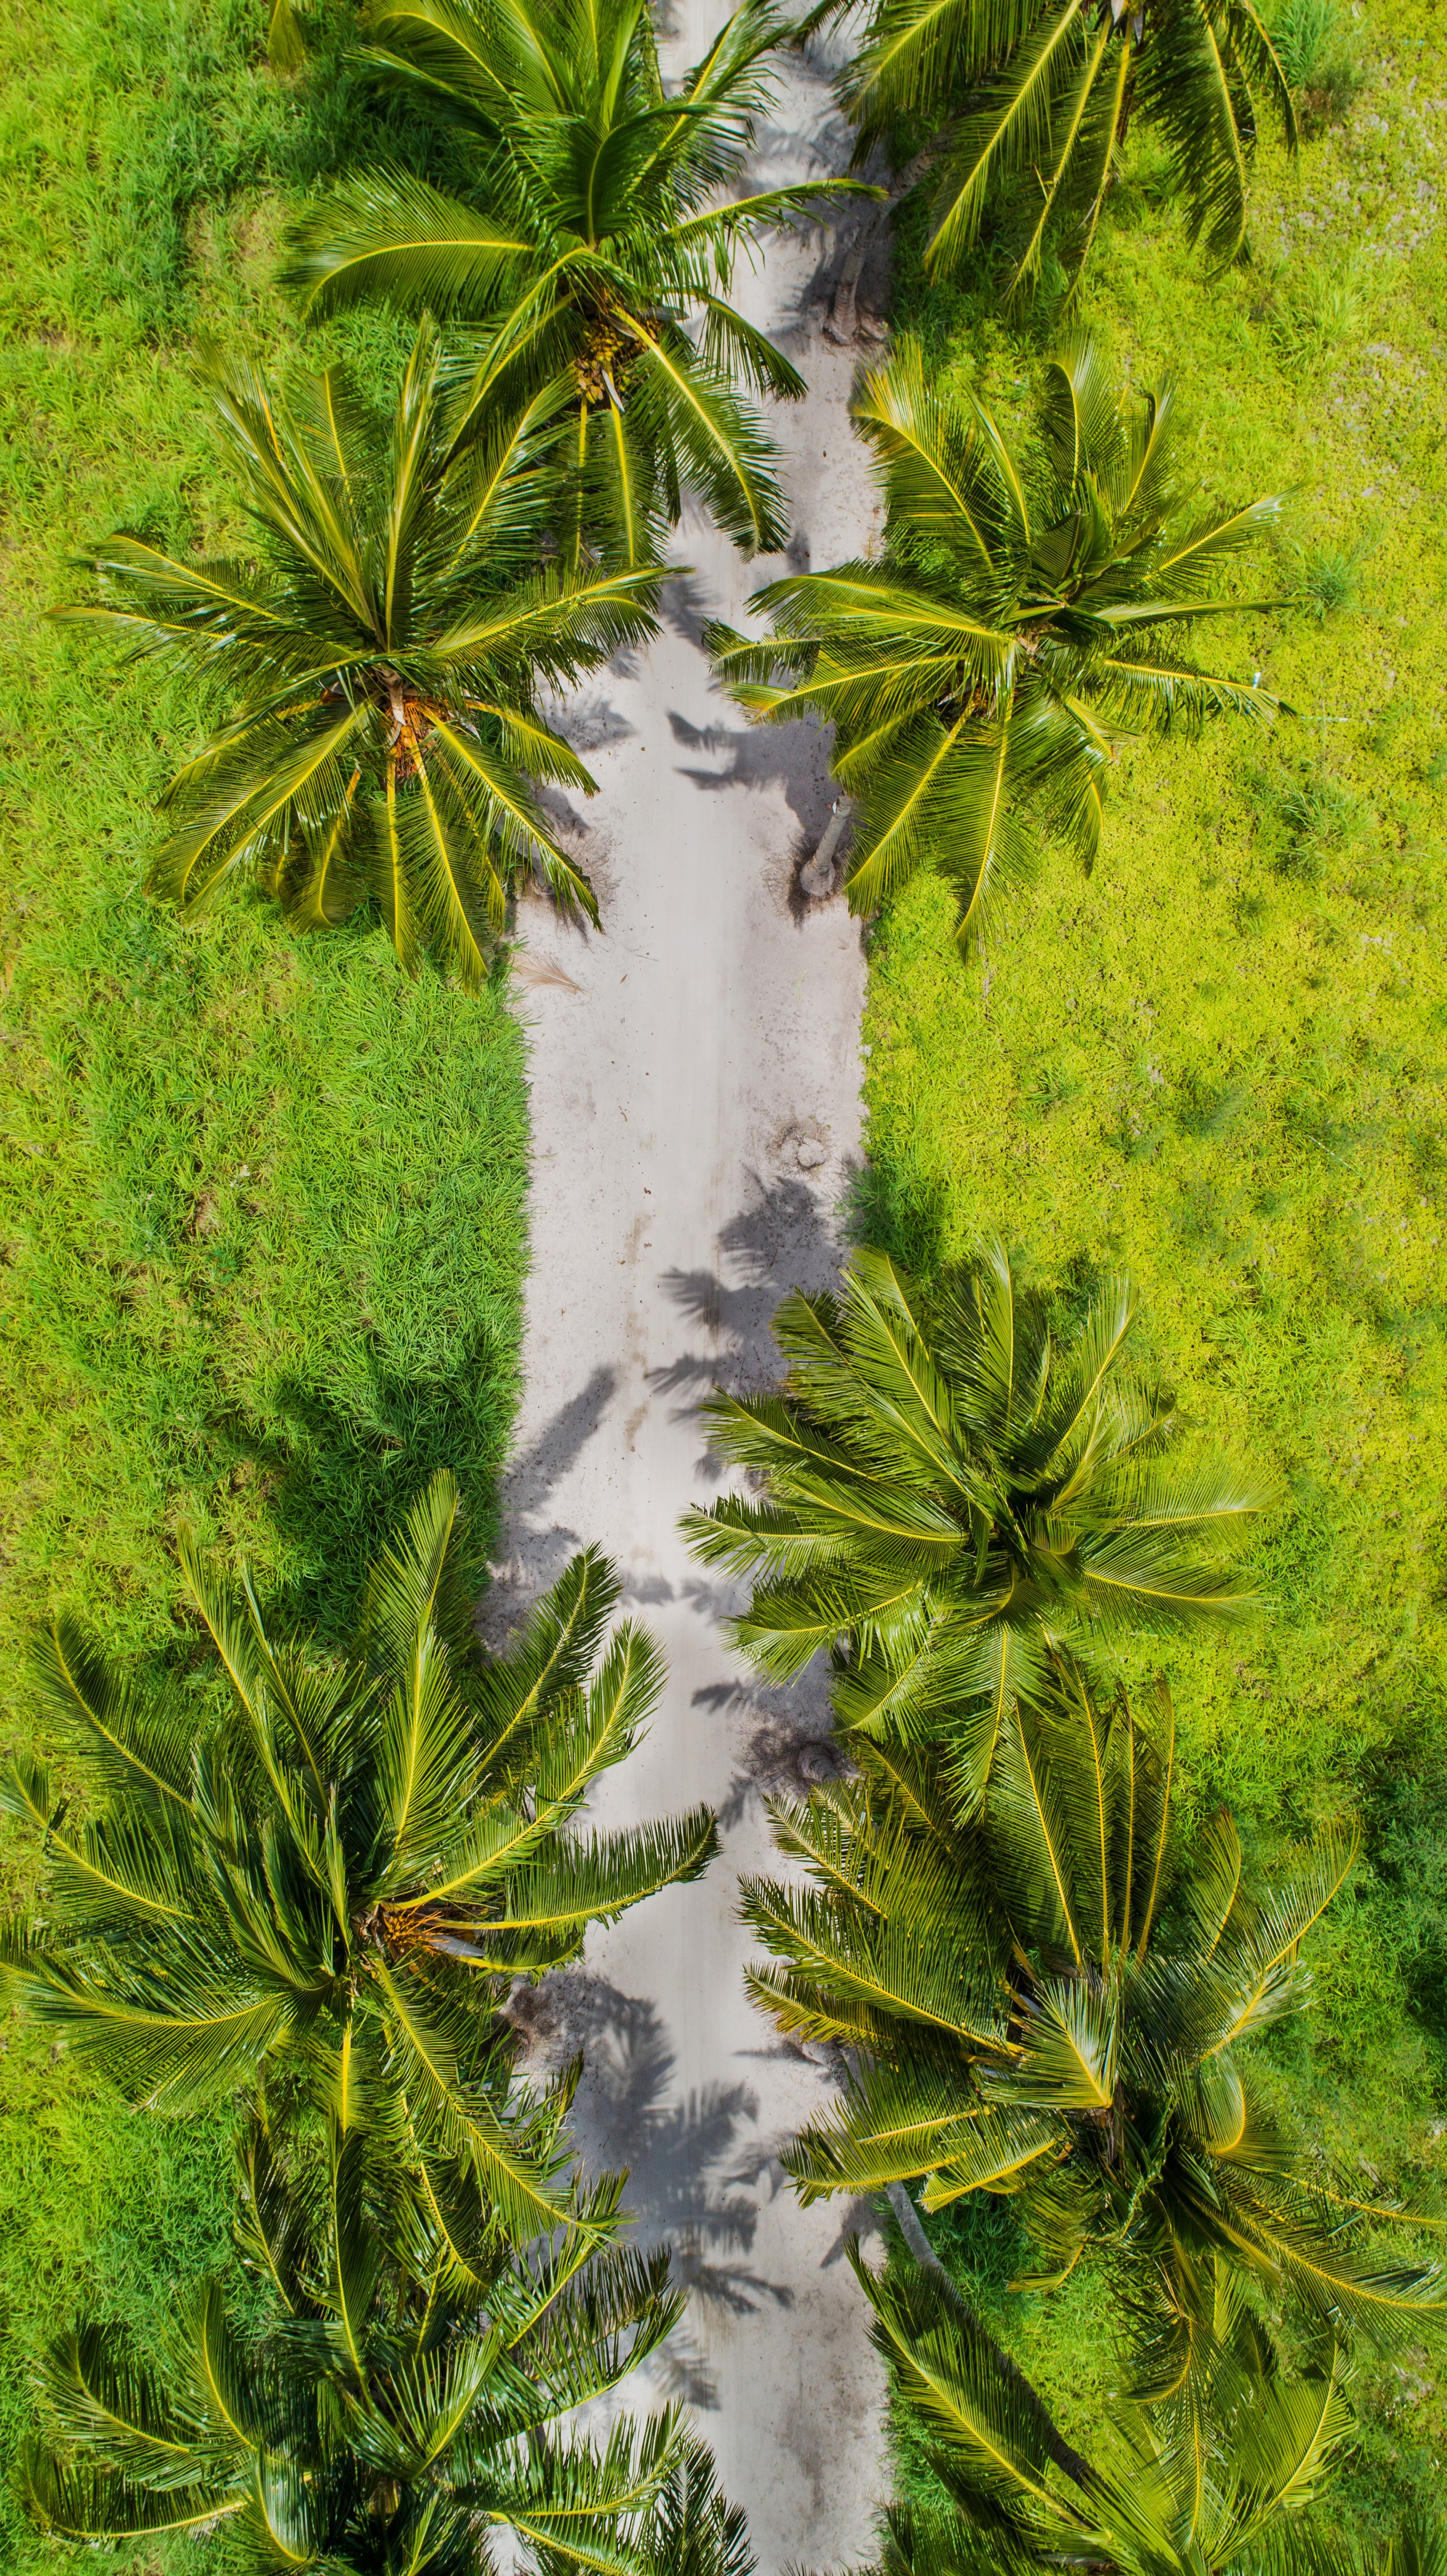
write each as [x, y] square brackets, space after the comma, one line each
[342, 1461]
[191, 124]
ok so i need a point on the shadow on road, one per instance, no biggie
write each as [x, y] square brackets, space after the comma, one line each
[785, 1747]
[782, 1238]
[694, 2168]
[793, 756]
[538, 1556]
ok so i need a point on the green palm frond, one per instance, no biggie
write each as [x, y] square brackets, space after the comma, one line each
[1044, 1996]
[980, 676]
[984, 2418]
[947, 1489]
[389, 233]
[395, 2392]
[138, 1743]
[554, 1901]
[1033, 99]
[594, 252]
[357, 1857]
[77, 2503]
[381, 671]
[1218, 2479]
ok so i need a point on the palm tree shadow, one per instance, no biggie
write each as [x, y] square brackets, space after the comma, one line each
[537, 1555]
[344, 120]
[789, 1747]
[689, 606]
[782, 1238]
[339, 1461]
[692, 2172]
[793, 756]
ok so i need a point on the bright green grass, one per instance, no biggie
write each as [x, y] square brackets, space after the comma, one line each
[261, 1241]
[1219, 1062]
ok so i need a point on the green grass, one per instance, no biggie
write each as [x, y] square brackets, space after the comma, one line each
[262, 1233]
[1219, 1062]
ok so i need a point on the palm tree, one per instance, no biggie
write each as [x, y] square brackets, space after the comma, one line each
[590, 255]
[1219, 2491]
[948, 1485]
[1055, 2002]
[398, 2407]
[335, 1878]
[977, 676]
[378, 668]
[1049, 89]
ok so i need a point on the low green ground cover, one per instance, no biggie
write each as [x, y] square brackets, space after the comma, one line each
[262, 1233]
[1219, 1062]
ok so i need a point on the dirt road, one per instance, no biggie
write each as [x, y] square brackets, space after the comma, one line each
[695, 1082]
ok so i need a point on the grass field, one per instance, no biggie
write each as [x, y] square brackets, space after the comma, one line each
[1219, 1062]
[262, 1234]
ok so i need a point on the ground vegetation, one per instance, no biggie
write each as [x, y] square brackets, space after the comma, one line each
[1222, 1064]
[263, 1197]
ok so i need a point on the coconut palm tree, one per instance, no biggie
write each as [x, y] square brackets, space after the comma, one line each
[1029, 608]
[399, 2405]
[590, 253]
[334, 1877]
[1049, 89]
[947, 1485]
[1057, 2002]
[378, 668]
[1220, 2490]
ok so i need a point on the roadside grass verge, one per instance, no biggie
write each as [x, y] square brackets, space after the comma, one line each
[262, 1201]
[1219, 1062]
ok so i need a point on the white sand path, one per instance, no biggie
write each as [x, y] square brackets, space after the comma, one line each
[709, 1033]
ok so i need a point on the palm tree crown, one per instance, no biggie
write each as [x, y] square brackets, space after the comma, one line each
[379, 666]
[1049, 88]
[333, 1879]
[1219, 2485]
[975, 677]
[1053, 2001]
[947, 1486]
[397, 2408]
[590, 242]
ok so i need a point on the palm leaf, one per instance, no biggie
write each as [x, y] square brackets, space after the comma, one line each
[1013, 130]
[600, 1879]
[427, 2037]
[81, 2502]
[389, 233]
[139, 1744]
[987, 2420]
[727, 454]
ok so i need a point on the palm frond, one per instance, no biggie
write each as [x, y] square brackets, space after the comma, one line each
[391, 233]
[978, 675]
[139, 1743]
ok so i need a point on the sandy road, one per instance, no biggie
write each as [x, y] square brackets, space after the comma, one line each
[678, 1071]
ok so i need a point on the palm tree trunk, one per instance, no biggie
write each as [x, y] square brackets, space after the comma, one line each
[928, 2260]
[842, 326]
[817, 873]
